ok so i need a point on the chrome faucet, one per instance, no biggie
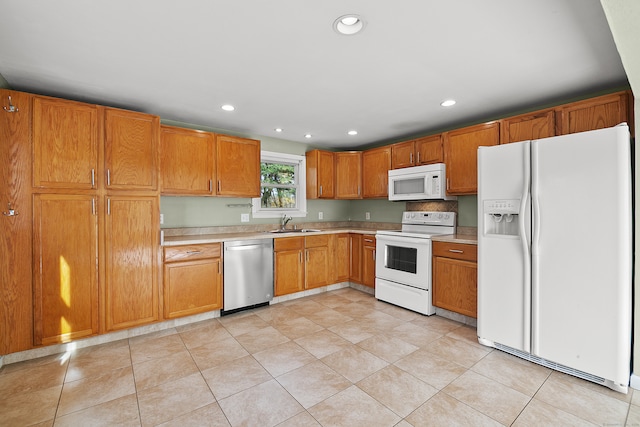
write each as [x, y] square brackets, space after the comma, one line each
[284, 221]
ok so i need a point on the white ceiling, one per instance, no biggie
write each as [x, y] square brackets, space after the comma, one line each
[282, 65]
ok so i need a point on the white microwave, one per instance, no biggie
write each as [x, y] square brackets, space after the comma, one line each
[426, 182]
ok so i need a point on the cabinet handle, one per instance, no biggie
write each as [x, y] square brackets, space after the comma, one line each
[321, 190]
[10, 211]
[218, 186]
[193, 252]
[93, 206]
[93, 178]
[358, 191]
[456, 251]
[307, 255]
[374, 254]
[108, 206]
[300, 256]
[210, 186]
[447, 184]
[411, 158]
[108, 177]
[418, 158]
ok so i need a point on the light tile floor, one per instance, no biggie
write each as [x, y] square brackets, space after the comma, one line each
[340, 358]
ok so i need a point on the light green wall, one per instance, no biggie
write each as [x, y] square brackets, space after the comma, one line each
[380, 210]
[468, 211]
[3, 83]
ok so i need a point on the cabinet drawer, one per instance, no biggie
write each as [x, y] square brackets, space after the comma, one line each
[191, 252]
[368, 241]
[455, 250]
[288, 243]
[315, 241]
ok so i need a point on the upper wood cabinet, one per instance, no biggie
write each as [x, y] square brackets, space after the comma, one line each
[65, 144]
[320, 174]
[131, 150]
[65, 267]
[131, 261]
[375, 172]
[595, 113]
[16, 298]
[238, 166]
[422, 151]
[540, 124]
[461, 155]
[187, 165]
[349, 175]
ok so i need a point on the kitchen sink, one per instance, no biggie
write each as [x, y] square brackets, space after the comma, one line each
[297, 230]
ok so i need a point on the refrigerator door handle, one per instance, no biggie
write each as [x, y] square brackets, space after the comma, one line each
[535, 241]
[526, 248]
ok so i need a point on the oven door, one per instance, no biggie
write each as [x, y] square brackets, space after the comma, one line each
[405, 260]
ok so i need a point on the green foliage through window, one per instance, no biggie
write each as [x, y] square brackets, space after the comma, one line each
[279, 185]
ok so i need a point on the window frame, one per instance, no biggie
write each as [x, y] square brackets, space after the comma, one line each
[301, 188]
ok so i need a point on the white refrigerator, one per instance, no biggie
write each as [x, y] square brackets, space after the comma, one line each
[555, 252]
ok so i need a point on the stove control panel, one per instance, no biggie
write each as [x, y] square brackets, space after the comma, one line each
[429, 218]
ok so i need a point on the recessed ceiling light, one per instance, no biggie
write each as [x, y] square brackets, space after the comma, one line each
[448, 102]
[308, 136]
[278, 129]
[353, 132]
[228, 107]
[348, 24]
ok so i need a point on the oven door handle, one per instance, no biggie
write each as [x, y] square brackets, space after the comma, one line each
[405, 240]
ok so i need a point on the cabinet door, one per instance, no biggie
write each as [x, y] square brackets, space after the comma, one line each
[131, 150]
[461, 155]
[340, 244]
[65, 144]
[455, 285]
[289, 272]
[192, 287]
[187, 165]
[429, 150]
[355, 259]
[595, 113]
[403, 155]
[375, 172]
[132, 231]
[65, 268]
[316, 267]
[320, 174]
[526, 127]
[349, 175]
[238, 164]
[16, 299]
[369, 261]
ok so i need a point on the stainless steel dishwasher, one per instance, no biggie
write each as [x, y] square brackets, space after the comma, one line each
[248, 273]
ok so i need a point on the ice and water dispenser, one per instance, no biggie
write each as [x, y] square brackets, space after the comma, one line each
[501, 217]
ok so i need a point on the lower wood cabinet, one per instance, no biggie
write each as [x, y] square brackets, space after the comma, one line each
[131, 261]
[65, 267]
[301, 263]
[355, 258]
[455, 277]
[317, 268]
[369, 260]
[192, 279]
[340, 248]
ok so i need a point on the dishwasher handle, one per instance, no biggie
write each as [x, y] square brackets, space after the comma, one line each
[243, 247]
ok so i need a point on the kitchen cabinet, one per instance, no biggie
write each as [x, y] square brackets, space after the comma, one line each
[192, 279]
[355, 257]
[348, 175]
[187, 165]
[421, 151]
[238, 166]
[16, 298]
[340, 248]
[131, 150]
[369, 260]
[65, 144]
[525, 127]
[131, 261]
[288, 265]
[376, 163]
[455, 277]
[65, 267]
[320, 174]
[461, 155]
[316, 261]
[595, 113]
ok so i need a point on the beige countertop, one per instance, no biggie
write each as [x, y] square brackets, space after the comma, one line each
[469, 239]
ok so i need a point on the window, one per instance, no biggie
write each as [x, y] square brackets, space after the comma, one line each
[283, 186]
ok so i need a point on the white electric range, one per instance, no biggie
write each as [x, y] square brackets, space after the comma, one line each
[403, 259]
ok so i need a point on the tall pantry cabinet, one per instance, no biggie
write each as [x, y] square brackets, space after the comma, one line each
[96, 210]
[16, 298]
